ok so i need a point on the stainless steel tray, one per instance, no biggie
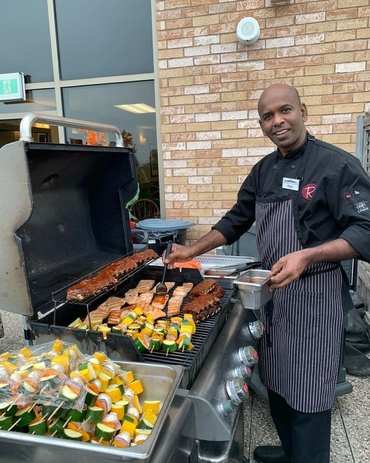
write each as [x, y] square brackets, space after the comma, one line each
[160, 382]
[254, 288]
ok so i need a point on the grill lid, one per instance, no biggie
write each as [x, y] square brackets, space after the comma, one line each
[62, 216]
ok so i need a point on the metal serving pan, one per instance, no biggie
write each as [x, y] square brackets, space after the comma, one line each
[160, 382]
[253, 288]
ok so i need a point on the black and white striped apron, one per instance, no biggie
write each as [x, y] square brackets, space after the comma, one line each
[299, 358]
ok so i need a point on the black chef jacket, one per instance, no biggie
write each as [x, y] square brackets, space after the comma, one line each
[332, 200]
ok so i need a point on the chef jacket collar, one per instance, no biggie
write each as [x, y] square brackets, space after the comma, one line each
[295, 153]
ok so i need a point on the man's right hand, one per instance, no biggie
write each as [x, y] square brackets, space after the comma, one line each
[179, 253]
[185, 253]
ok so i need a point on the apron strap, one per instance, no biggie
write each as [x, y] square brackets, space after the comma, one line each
[317, 272]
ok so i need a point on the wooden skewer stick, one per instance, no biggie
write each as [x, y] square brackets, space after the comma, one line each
[43, 389]
[67, 421]
[13, 402]
[10, 405]
[54, 412]
[15, 424]
[82, 423]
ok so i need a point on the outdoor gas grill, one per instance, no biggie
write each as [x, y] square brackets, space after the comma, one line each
[62, 218]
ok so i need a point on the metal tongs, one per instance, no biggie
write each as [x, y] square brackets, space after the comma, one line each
[227, 270]
[161, 287]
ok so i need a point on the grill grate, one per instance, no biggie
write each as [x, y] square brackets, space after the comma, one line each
[206, 334]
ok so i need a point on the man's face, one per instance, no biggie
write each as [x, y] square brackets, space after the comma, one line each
[282, 117]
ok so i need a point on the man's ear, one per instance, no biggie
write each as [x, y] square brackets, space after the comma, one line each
[304, 112]
[260, 123]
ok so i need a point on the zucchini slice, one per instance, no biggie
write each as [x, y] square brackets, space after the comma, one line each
[76, 415]
[94, 414]
[6, 422]
[25, 416]
[56, 427]
[104, 432]
[73, 435]
[8, 408]
[39, 428]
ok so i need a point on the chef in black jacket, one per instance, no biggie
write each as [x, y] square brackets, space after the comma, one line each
[311, 204]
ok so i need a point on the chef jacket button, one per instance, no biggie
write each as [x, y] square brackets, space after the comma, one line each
[274, 166]
[293, 166]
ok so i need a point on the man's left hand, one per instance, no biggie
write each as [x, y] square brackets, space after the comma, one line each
[287, 269]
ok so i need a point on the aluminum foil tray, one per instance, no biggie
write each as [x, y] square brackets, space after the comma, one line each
[160, 382]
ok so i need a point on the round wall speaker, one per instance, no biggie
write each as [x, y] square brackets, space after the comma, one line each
[248, 31]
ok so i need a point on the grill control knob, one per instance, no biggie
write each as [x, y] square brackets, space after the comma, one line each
[242, 371]
[256, 329]
[248, 355]
[237, 390]
[226, 407]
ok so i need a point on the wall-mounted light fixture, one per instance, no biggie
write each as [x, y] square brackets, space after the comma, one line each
[142, 140]
[248, 31]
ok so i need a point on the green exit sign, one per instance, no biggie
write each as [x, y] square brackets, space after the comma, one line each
[12, 87]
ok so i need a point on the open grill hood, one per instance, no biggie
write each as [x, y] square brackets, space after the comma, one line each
[62, 216]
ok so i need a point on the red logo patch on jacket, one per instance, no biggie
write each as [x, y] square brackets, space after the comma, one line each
[308, 191]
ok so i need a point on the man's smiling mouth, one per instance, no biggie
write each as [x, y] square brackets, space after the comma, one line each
[281, 132]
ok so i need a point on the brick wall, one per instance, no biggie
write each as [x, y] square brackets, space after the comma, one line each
[210, 83]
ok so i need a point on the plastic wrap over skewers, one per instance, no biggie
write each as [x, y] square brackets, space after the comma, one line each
[55, 390]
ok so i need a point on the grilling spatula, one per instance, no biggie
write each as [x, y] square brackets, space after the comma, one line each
[161, 287]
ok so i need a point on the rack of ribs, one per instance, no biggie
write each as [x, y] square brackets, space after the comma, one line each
[108, 277]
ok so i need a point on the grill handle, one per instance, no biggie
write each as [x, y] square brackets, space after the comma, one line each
[31, 118]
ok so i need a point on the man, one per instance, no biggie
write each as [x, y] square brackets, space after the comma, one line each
[311, 204]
